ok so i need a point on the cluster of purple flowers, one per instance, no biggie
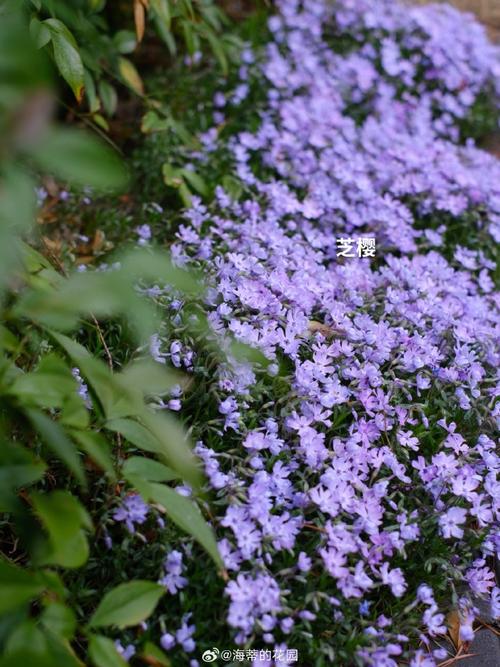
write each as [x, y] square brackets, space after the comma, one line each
[369, 435]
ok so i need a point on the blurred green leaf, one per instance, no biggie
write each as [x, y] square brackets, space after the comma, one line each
[161, 9]
[59, 619]
[56, 439]
[196, 182]
[18, 586]
[17, 212]
[152, 122]
[18, 468]
[148, 377]
[174, 447]
[29, 646]
[39, 33]
[90, 91]
[80, 158]
[135, 433]
[151, 470]
[48, 386]
[127, 604]
[113, 400]
[217, 48]
[125, 41]
[98, 448]
[185, 513]
[64, 519]
[74, 412]
[151, 654]
[108, 96]
[103, 653]
[233, 186]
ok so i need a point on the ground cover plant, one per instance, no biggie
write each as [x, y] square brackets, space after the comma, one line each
[351, 464]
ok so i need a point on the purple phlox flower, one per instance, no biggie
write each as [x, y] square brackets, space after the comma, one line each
[304, 563]
[480, 578]
[394, 579]
[83, 390]
[167, 641]
[184, 635]
[133, 511]
[174, 569]
[126, 652]
[450, 522]
[434, 621]
[144, 234]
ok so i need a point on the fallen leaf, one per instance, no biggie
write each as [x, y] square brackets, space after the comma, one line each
[98, 241]
[324, 329]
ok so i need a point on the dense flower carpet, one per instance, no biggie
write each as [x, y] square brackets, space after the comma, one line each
[352, 473]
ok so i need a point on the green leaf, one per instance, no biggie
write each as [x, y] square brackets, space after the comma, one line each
[130, 76]
[96, 5]
[112, 395]
[48, 386]
[165, 34]
[97, 447]
[74, 412]
[153, 655]
[155, 266]
[18, 467]
[90, 92]
[174, 447]
[161, 10]
[218, 49]
[67, 56]
[135, 433]
[103, 653]
[108, 96]
[59, 619]
[185, 513]
[125, 41]
[148, 469]
[100, 121]
[127, 604]
[7, 340]
[151, 122]
[195, 181]
[35, 262]
[185, 194]
[64, 519]
[171, 175]
[56, 439]
[148, 378]
[18, 586]
[17, 213]
[233, 186]
[190, 38]
[80, 158]
[29, 646]
[40, 34]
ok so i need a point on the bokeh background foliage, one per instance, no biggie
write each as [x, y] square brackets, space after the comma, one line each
[54, 450]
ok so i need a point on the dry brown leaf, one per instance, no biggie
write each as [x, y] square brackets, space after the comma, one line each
[324, 329]
[98, 241]
[54, 245]
[453, 624]
[139, 19]
[86, 259]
